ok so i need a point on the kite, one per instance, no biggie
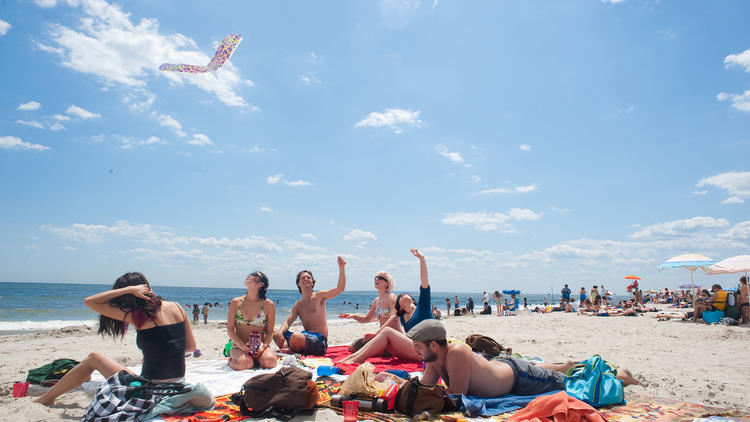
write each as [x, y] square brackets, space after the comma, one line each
[223, 53]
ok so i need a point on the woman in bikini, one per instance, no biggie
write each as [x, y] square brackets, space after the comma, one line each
[383, 307]
[163, 334]
[410, 313]
[249, 313]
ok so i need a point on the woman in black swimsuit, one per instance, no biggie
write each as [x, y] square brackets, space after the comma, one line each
[163, 334]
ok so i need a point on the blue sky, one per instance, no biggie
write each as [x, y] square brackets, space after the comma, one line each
[517, 144]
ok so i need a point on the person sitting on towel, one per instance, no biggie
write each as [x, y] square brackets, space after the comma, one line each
[311, 310]
[468, 373]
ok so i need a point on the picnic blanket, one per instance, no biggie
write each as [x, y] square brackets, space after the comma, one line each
[336, 353]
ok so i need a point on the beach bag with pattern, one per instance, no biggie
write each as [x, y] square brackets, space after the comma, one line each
[128, 397]
[281, 394]
[50, 373]
[414, 398]
[486, 345]
[594, 381]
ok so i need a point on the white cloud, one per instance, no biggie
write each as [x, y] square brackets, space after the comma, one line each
[4, 27]
[74, 110]
[525, 189]
[32, 123]
[296, 183]
[679, 227]
[733, 200]
[739, 231]
[393, 118]
[266, 209]
[56, 127]
[60, 117]
[108, 45]
[30, 106]
[310, 79]
[453, 156]
[490, 221]
[272, 180]
[525, 147]
[739, 101]
[129, 143]
[11, 142]
[613, 1]
[741, 59]
[398, 13]
[521, 189]
[359, 234]
[308, 235]
[564, 210]
[700, 192]
[475, 178]
[737, 184]
[200, 140]
[296, 244]
[169, 122]
[313, 55]
[45, 4]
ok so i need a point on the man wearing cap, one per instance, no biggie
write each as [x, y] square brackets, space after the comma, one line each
[311, 310]
[469, 373]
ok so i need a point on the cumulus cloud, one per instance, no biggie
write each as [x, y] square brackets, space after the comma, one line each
[739, 101]
[272, 180]
[200, 140]
[296, 244]
[129, 143]
[679, 227]
[11, 142]
[359, 234]
[276, 178]
[739, 231]
[308, 235]
[45, 4]
[61, 117]
[109, 46]
[485, 221]
[76, 111]
[169, 122]
[32, 123]
[736, 183]
[520, 189]
[740, 59]
[30, 106]
[525, 147]
[453, 156]
[392, 118]
[266, 209]
[56, 127]
[4, 27]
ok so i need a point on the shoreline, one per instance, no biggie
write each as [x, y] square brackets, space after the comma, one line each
[677, 360]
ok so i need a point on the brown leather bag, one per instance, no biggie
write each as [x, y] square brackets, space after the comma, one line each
[486, 345]
[289, 388]
[414, 398]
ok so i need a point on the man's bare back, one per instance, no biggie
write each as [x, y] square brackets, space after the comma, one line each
[466, 372]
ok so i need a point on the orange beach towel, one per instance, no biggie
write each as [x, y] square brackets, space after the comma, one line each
[558, 407]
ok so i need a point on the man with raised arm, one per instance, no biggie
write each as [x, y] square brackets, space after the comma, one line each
[311, 310]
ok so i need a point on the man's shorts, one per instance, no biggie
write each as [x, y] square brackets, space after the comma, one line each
[315, 344]
[530, 380]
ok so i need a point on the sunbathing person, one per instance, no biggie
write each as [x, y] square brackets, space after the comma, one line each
[410, 313]
[163, 334]
[261, 313]
[383, 308]
[469, 373]
[311, 310]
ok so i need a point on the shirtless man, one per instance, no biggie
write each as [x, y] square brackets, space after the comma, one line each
[469, 373]
[311, 310]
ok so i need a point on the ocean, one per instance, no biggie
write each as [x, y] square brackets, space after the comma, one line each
[44, 306]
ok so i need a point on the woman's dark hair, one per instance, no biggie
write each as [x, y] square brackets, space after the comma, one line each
[263, 279]
[141, 310]
[299, 274]
[400, 311]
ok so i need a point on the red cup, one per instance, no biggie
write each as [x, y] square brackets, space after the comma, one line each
[20, 389]
[351, 408]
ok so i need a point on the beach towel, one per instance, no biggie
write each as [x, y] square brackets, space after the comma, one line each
[558, 407]
[336, 353]
[50, 373]
[490, 406]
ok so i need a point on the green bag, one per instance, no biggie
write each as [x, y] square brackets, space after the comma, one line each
[227, 348]
[51, 372]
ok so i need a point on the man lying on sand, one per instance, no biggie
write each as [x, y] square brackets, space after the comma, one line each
[469, 373]
[311, 310]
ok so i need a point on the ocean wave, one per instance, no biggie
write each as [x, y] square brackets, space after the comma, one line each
[43, 325]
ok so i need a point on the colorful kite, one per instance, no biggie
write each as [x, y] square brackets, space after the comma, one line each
[223, 53]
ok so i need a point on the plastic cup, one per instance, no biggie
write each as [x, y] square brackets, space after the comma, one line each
[20, 389]
[351, 408]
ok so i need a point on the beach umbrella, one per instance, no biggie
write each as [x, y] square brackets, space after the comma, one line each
[632, 277]
[735, 264]
[511, 292]
[689, 261]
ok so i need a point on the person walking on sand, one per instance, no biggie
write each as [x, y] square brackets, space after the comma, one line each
[447, 307]
[163, 334]
[498, 302]
[205, 313]
[565, 293]
[311, 310]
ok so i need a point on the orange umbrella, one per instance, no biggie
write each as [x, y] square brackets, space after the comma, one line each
[632, 277]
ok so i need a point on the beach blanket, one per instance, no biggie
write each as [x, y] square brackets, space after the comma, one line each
[489, 406]
[336, 353]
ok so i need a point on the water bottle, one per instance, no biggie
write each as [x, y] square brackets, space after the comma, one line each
[254, 343]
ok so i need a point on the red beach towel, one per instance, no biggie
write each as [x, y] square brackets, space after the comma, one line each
[336, 353]
[558, 407]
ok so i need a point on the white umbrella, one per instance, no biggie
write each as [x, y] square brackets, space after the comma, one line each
[735, 264]
[691, 262]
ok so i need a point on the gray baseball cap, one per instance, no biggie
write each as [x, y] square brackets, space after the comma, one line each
[427, 330]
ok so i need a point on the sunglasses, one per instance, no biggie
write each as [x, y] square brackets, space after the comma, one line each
[381, 278]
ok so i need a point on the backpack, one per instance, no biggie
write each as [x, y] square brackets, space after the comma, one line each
[486, 345]
[281, 394]
[594, 381]
[414, 398]
[50, 373]
[731, 310]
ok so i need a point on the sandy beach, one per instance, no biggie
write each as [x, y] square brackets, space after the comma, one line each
[693, 362]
